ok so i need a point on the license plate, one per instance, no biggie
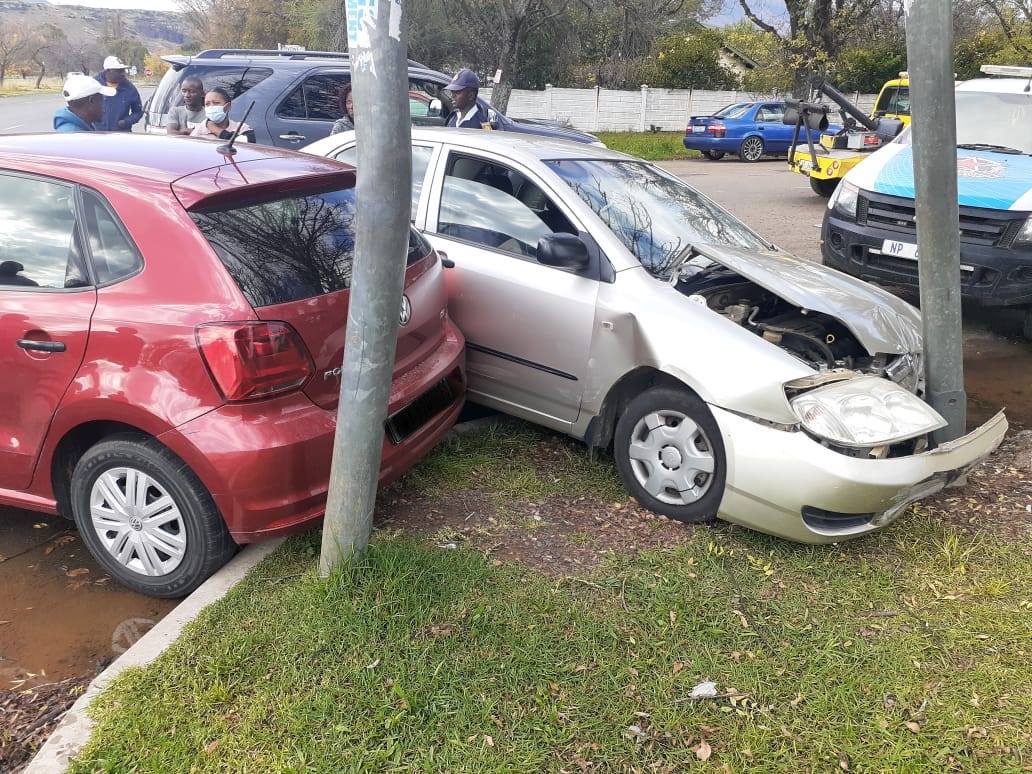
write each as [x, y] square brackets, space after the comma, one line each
[805, 166]
[899, 249]
[698, 129]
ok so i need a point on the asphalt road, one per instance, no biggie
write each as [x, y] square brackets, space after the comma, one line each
[35, 112]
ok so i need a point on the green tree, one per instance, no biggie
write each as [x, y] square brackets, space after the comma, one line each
[129, 50]
[773, 75]
[866, 68]
[691, 59]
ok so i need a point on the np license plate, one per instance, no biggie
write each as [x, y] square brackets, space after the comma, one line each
[698, 129]
[899, 249]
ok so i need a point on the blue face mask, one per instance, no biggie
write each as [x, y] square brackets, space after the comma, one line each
[215, 113]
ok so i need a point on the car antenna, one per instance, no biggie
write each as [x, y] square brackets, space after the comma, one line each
[228, 149]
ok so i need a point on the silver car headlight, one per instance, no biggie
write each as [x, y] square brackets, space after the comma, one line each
[865, 412]
[1024, 236]
[844, 200]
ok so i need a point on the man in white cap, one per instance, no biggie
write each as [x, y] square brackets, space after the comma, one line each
[84, 99]
[124, 108]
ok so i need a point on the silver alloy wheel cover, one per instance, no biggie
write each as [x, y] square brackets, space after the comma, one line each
[669, 453]
[137, 522]
[747, 148]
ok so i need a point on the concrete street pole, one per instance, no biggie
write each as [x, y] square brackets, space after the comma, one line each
[379, 78]
[929, 26]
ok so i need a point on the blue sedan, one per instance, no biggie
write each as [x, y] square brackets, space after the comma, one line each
[749, 129]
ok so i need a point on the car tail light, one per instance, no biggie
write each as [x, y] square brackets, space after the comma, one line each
[872, 139]
[717, 130]
[250, 360]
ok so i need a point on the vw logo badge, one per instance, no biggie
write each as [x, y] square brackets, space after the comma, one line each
[406, 310]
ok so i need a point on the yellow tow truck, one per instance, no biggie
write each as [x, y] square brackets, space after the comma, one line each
[827, 161]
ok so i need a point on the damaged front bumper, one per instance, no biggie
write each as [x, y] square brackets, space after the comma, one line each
[787, 484]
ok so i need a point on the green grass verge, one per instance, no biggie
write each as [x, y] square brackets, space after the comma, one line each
[909, 652]
[657, 146]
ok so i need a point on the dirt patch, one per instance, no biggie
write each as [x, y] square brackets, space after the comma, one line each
[29, 716]
[998, 496]
[998, 374]
[559, 535]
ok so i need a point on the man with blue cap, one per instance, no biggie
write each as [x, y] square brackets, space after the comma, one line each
[469, 113]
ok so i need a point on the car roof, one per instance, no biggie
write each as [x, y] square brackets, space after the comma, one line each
[304, 60]
[518, 145]
[995, 85]
[145, 162]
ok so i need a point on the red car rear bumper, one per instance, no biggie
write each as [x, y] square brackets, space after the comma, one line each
[267, 464]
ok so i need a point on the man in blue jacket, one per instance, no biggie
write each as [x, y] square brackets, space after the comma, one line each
[84, 99]
[124, 108]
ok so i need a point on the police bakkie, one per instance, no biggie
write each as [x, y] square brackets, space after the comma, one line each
[870, 227]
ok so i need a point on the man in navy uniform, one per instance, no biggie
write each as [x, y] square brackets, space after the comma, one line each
[468, 114]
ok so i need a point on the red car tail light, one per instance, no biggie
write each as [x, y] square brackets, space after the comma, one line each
[249, 360]
[872, 139]
[717, 130]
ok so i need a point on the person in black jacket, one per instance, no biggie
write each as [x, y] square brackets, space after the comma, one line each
[469, 113]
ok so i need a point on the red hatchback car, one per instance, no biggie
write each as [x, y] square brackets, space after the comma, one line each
[171, 336]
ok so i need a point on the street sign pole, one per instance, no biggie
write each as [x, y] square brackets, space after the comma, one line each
[929, 25]
[379, 78]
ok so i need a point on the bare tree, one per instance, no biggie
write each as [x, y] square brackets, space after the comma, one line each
[816, 32]
[48, 40]
[14, 44]
[506, 25]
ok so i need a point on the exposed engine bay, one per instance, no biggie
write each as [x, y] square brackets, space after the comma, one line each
[818, 339]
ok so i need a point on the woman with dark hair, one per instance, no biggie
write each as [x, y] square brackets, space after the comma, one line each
[217, 124]
[347, 107]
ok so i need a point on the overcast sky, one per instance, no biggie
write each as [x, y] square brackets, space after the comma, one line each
[150, 5]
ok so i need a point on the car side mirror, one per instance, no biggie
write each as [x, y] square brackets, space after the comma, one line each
[436, 108]
[563, 251]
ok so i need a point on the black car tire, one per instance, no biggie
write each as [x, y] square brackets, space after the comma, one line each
[713, 155]
[751, 149]
[208, 542]
[822, 187]
[690, 406]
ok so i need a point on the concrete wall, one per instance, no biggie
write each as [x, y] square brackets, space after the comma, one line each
[610, 110]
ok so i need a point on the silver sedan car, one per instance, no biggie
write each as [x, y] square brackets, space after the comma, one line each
[604, 298]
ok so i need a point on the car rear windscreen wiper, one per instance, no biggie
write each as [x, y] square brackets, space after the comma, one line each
[989, 147]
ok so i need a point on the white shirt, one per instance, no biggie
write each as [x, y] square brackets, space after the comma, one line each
[469, 114]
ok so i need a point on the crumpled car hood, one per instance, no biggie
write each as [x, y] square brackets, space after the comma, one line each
[880, 321]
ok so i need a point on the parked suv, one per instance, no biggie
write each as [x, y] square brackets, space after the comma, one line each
[173, 330]
[295, 94]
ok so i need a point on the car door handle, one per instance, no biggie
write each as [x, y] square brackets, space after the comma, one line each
[293, 137]
[42, 346]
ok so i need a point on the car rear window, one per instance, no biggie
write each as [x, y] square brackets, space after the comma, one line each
[237, 80]
[293, 248]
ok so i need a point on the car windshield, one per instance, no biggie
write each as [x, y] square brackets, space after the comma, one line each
[991, 120]
[894, 99]
[653, 213]
[733, 111]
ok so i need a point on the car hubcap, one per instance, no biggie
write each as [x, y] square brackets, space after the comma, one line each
[753, 149]
[671, 457]
[137, 522]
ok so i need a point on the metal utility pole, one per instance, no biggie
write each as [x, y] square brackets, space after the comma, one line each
[379, 78]
[929, 26]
